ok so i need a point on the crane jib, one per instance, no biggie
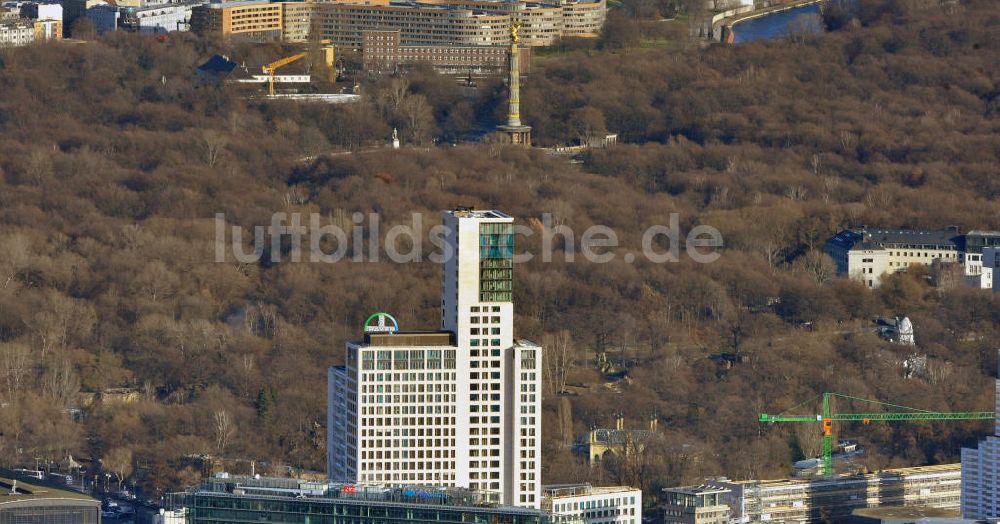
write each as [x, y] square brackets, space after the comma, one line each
[828, 416]
[888, 417]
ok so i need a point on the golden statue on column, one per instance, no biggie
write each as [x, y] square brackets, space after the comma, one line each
[514, 131]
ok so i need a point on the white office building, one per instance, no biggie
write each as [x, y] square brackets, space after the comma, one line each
[164, 17]
[975, 244]
[989, 277]
[42, 11]
[585, 504]
[456, 407]
[981, 474]
[867, 254]
[14, 33]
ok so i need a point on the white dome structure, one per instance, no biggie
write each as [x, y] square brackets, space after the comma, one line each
[905, 332]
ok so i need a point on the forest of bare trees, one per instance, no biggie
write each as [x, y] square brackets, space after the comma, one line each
[114, 162]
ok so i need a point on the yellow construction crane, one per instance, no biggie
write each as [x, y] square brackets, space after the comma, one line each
[327, 57]
[269, 69]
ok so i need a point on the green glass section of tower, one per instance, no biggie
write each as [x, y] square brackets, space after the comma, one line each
[496, 262]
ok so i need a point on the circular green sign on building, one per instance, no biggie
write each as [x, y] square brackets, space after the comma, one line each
[381, 323]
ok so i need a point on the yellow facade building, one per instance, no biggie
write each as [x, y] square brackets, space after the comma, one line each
[618, 441]
[429, 22]
[583, 19]
[48, 30]
[253, 20]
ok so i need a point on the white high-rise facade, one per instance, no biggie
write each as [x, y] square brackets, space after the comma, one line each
[989, 277]
[981, 473]
[456, 407]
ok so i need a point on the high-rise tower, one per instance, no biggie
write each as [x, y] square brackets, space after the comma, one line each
[980, 498]
[515, 132]
[455, 407]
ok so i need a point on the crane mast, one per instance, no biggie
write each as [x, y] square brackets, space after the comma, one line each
[270, 69]
[325, 55]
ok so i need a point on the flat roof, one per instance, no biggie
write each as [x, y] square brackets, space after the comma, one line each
[937, 468]
[326, 492]
[236, 3]
[846, 477]
[556, 491]
[697, 490]
[26, 491]
[906, 512]
[477, 213]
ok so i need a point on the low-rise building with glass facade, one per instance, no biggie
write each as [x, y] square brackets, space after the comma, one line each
[235, 499]
[23, 503]
[696, 505]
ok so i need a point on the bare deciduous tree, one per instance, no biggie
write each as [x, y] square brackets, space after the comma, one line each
[557, 361]
[61, 382]
[16, 365]
[15, 256]
[213, 143]
[247, 371]
[40, 166]
[418, 117]
[817, 264]
[119, 462]
[225, 428]
[63, 322]
[394, 95]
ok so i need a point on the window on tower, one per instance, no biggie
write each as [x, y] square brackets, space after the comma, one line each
[496, 263]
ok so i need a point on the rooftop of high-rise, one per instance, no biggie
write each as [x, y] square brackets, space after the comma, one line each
[468, 212]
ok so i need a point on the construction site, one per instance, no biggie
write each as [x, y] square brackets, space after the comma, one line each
[308, 74]
[836, 498]
[909, 493]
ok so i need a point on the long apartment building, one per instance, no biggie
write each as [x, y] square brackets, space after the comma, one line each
[382, 52]
[455, 407]
[834, 499]
[867, 254]
[431, 22]
[226, 498]
[18, 32]
[419, 24]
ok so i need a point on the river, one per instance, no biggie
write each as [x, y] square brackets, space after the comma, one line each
[779, 24]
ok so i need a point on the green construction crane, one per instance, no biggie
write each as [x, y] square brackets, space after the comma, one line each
[827, 418]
